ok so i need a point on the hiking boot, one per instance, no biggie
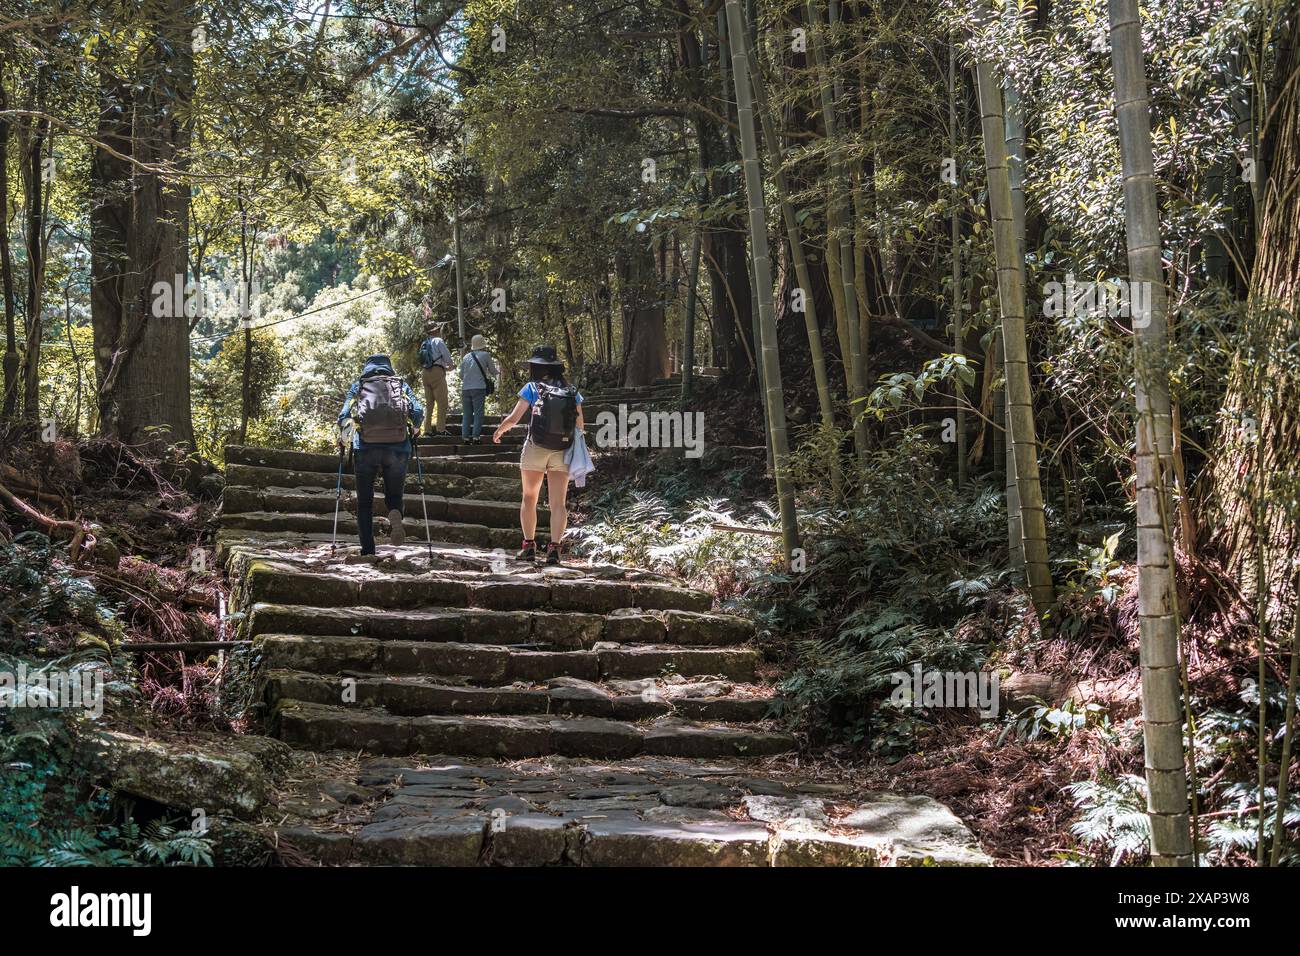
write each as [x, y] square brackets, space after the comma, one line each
[528, 552]
[398, 533]
[553, 553]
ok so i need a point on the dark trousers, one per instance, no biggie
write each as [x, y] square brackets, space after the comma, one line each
[370, 463]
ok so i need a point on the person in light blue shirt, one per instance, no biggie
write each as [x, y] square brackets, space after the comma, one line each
[476, 368]
[372, 459]
[544, 449]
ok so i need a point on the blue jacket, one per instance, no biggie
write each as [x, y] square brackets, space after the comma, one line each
[417, 410]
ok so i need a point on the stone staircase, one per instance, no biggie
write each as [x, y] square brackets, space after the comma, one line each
[511, 713]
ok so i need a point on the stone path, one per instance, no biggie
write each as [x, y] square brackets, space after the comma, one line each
[597, 714]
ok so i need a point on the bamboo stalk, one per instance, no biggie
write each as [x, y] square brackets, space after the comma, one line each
[1162, 711]
[852, 337]
[958, 299]
[1288, 736]
[794, 234]
[775, 401]
[1011, 298]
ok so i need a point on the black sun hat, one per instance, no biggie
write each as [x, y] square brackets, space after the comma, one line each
[543, 355]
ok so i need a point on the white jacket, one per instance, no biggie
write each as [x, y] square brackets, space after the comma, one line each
[579, 460]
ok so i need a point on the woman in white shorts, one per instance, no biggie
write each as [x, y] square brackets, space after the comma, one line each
[555, 411]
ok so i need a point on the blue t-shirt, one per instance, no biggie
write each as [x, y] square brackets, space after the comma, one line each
[530, 394]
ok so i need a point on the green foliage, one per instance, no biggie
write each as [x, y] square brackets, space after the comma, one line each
[49, 817]
[38, 592]
[218, 389]
[641, 529]
[889, 577]
[1113, 816]
[1059, 723]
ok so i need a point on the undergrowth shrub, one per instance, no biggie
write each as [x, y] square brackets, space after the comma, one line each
[892, 573]
[52, 813]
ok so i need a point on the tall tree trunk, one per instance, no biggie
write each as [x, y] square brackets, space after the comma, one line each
[1259, 442]
[645, 339]
[1162, 711]
[245, 321]
[110, 221]
[6, 269]
[688, 320]
[724, 249]
[1011, 297]
[35, 205]
[958, 295]
[145, 391]
[693, 55]
[774, 399]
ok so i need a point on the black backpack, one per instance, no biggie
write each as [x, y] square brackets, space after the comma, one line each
[381, 410]
[554, 414]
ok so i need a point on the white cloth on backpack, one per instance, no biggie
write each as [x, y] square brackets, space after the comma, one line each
[579, 460]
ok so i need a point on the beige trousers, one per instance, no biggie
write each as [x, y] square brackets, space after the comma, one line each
[435, 393]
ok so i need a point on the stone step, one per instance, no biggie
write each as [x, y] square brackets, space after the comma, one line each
[494, 664]
[448, 532]
[642, 811]
[483, 452]
[558, 630]
[489, 421]
[285, 460]
[592, 410]
[601, 403]
[493, 514]
[284, 584]
[418, 696]
[513, 438]
[323, 727]
[610, 413]
[452, 435]
[633, 391]
[447, 485]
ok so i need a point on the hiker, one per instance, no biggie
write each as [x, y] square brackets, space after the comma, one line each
[386, 414]
[477, 371]
[435, 362]
[556, 411]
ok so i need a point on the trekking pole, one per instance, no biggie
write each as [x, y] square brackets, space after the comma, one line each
[338, 498]
[424, 505]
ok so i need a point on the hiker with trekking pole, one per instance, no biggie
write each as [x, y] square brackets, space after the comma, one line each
[386, 415]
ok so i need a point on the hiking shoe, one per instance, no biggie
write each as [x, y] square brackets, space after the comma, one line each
[398, 533]
[528, 552]
[552, 553]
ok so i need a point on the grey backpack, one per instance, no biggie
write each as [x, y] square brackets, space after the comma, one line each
[381, 410]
